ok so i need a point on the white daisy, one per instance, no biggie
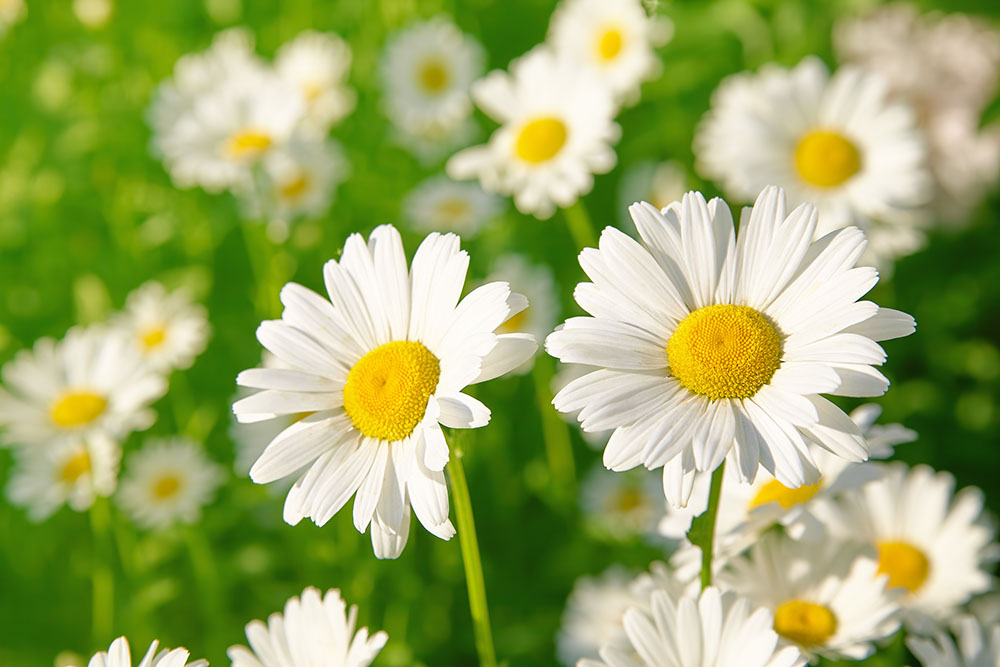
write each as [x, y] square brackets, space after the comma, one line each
[72, 472]
[91, 382]
[119, 655]
[976, 647]
[166, 328]
[556, 133]
[622, 506]
[931, 542]
[441, 204]
[318, 630]
[659, 183]
[713, 629]
[948, 67]
[169, 480]
[538, 284]
[826, 597]
[317, 64]
[613, 39]
[93, 13]
[835, 141]
[427, 69]
[381, 368]
[714, 345]
[12, 12]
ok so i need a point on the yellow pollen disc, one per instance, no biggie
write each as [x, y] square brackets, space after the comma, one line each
[75, 467]
[433, 76]
[516, 323]
[629, 500]
[247, 144]
[295, 188]
[906, 565]
[540, 139]
[311, 91]
[76, 408]
[153, 337]
[826, 159]
[609, 44]
[804, 623]
[166, 487]
[387, 390]
[453, 208]
[724, 351]
[776, 492]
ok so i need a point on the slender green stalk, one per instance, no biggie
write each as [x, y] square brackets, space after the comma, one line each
[102, 576]
[260, 253]
[555, 431]
[471, 560]
[580, 226]
[708, 548]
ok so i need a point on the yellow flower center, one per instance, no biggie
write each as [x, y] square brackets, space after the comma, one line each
[166, 487]
[516, 323]
[609, 44]
[804, 623]
[453, 208]
[826, 159]
[724, 351]
[776, 492]
[296, 187]
[387, 390]
[540, 139]
[75, 467]
[311, 91]
[629, 500]
[433, 76]
[247, 144]
[76, 408]
[906, 565]
[153, 337]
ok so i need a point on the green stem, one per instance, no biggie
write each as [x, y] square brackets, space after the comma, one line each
[260, 253]
[555, 431]
[102, 577]
[580, 227]
[471, 560]
[710, 514]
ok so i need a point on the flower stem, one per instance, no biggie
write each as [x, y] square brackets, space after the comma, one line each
[555, 431]
[702, 532]
[580, 227]
[102, 578]
[471, 560]
[260, 253]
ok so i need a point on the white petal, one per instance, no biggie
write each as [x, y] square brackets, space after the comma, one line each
[460, 410]
[511, 351]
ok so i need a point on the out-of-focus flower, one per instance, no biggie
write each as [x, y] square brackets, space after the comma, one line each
[613, 39]
[381, 366]
[318, 64]
[659, 183]
[166, 328]
[441, 204]
[167, 481]
[556, 132]
[536, 282]
[711, 345]
[622, 506]
[835, 141]
[977, 646]
[91, 382]
[12, 12]
[119, 655]
[93, 13]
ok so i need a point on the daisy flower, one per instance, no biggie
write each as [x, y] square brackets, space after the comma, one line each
[976, 647]
[439, 203]
[711, 344]
[12, 12]
[826, 597]
[613, 39]
[381, 366]
[316, 630]
[622, 506]
[538, 284]
[119, 655]
[91, 382]
[317, 64]
[566, 373]
[835, 141]
[659, 183]
[166, 328]
[713, 629]
[556, 132]
[932, 542]
[426, 70]
[71, 472]
[169, 480]
[93, 13]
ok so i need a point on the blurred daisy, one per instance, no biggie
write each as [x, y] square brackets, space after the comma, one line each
[622, 506]
[427, 69]
[12, 12]
[556, 132]
[713, 345]
[166, 328]
[93, 13]
[948, 67]
[441, 204]
[431, 146]
[119, 655]
[90, 382]
[314, 631]
[825, 597]
[976, 647]
[538, 284]
[931, 542]
[72, 472]
[381, 368]
[659, 183]
[169, 480]
[613, 39]
[317, 64]
[691, 630]
[834, 141]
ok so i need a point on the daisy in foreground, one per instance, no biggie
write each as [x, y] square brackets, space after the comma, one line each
[314, 631]
[713, 346]
[379, 368]
[119, 655]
